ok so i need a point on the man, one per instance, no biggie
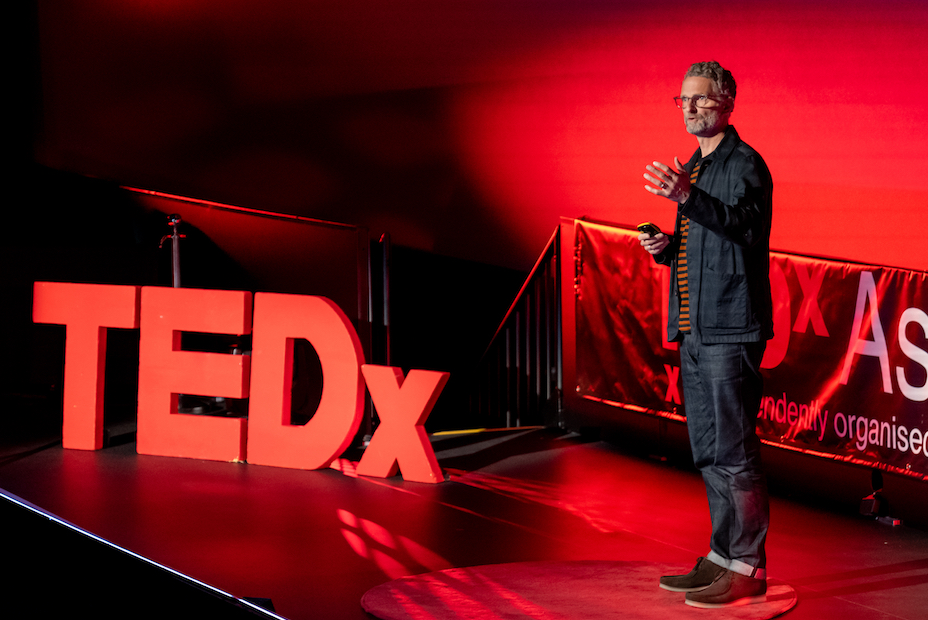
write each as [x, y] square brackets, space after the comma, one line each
[721, 314]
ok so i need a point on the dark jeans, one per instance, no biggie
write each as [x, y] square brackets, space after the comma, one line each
[722, 389]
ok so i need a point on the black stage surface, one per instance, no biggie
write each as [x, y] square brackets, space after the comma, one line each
[313, 542]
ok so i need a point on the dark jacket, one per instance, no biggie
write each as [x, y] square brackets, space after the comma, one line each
[727, 247]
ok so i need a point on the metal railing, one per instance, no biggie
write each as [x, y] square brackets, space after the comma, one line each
[520, 376]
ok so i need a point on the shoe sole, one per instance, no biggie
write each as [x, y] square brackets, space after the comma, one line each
[677, 589]
[747, 600]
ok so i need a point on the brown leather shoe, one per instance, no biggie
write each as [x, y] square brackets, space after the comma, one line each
[701, 577]
[729, 590]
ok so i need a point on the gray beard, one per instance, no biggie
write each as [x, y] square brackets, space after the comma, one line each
[699, 126]
[706, 126]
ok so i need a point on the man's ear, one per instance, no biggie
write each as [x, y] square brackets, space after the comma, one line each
[727, 107]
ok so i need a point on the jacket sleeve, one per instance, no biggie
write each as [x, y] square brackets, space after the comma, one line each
[744, 218]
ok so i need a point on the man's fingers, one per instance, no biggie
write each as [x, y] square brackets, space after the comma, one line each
[659, 182]
[662, 167]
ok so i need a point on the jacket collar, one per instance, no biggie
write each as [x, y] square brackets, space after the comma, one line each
[727, 145]
[722, 151]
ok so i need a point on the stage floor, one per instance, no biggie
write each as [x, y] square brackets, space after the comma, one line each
[315, 541]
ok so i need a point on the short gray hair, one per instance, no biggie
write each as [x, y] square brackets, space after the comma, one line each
[712, 70]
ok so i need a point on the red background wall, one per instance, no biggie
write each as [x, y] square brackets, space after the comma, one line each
[466, 127]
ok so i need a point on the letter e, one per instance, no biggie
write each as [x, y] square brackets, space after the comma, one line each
[165, 372]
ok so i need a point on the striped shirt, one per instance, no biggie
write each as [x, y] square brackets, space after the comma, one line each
[682, 272]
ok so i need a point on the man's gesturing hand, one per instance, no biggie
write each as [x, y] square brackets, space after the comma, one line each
[669, 183]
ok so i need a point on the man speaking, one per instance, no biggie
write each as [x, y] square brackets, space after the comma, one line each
[721, 314]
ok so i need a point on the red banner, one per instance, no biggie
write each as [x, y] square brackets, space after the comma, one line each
[846, 374]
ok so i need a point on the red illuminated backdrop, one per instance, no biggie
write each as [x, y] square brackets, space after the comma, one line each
[467, 127]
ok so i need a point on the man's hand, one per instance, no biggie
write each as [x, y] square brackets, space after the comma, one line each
[672, 184]
[654, 245]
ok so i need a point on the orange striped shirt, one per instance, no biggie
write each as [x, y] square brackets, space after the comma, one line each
[683, 285]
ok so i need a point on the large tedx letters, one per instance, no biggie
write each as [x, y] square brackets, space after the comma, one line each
[266, 436]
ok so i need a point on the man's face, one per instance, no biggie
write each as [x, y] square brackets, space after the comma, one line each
[709, 121]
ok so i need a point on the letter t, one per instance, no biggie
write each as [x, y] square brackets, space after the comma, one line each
[87, 310]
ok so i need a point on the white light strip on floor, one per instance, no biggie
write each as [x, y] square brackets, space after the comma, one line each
[51, 517]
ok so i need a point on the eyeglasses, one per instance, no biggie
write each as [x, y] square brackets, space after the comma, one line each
[701, 101]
